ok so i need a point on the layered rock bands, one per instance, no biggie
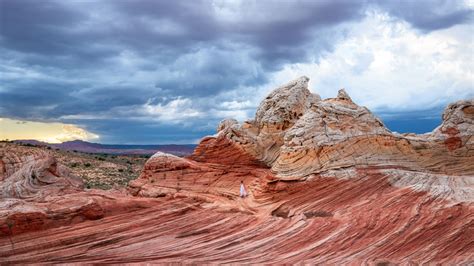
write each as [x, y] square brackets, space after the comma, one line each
[327, 183]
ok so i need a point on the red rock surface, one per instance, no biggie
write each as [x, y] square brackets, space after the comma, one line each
[324, 220]
[327, 183]
[38, 193]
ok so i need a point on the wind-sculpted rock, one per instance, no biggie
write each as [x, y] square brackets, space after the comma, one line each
[327, 183]
[35, 176]
[457, 128]
[38, 193]
[298, 135]
[332, 164]
[39, 178]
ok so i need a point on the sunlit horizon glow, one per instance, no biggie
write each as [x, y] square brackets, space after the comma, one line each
[12, 129]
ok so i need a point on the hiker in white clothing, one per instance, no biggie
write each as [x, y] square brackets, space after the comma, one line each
[243, 192]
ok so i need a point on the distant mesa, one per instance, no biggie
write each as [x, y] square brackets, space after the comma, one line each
[88, 147]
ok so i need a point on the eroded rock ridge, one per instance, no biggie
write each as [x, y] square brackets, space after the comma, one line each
[328, 183]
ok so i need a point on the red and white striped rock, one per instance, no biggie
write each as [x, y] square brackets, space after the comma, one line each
[38, 193]
[378, 196]
[327, 183]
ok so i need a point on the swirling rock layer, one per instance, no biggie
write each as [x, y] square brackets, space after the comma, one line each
[38, 193]
[339, 186]
[323, 220]
[28, 173]
[327, 183]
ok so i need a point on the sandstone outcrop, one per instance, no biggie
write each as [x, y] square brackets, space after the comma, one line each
[328, 183]
[30, 173]
[309, 159]
[39, 193]
[457, 128]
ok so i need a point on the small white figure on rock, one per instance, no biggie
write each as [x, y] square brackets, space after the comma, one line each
[243, 192]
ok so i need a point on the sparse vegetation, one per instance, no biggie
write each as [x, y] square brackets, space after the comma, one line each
[98, 171]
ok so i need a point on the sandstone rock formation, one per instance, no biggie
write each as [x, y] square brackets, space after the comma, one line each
[333, 161]
[327, 182]
[34, 176]
[38, 193]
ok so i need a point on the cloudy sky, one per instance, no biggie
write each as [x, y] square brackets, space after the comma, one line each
[123, 71]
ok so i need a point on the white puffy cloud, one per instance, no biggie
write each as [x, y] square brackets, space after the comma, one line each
[387, 65]
[175, 110]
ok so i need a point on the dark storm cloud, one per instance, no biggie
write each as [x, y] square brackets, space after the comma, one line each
[201, 55]
[291, 23]
[101, 99]
[38, 27]
[34, 101]
[70, 58]
[148, 27]
[194, 16]
[429, 15]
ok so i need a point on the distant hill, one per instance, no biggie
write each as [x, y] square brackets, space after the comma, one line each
[89, 147]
